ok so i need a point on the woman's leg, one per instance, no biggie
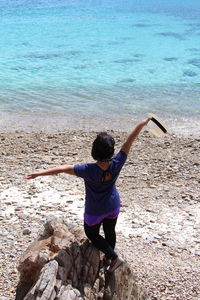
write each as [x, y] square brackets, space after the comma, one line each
[92, 232]
[109, 231]
[110, 236]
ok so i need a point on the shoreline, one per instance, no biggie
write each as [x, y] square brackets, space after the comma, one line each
[31, 122]
[158, 227]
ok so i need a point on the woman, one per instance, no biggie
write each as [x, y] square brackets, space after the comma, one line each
[102, 201]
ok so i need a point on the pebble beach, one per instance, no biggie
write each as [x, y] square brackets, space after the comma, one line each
[71, 69]
[158, 230]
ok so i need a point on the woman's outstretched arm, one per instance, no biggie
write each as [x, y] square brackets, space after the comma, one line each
[61, 169]
[131, 138]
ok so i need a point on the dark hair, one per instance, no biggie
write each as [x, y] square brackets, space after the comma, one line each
[103, 147]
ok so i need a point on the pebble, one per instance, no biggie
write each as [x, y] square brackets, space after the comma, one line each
[150, 239]
[22, 215]
[170, 244]
[26, 231]
[3, 233]
[197, 253]
[18, 208]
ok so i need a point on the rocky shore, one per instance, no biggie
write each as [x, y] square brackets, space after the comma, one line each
[159, 225]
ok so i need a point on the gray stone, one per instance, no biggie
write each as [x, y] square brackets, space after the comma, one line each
[150, 239]
[3, 233]
[26, 231]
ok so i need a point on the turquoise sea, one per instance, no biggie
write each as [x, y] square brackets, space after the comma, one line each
[97, 58]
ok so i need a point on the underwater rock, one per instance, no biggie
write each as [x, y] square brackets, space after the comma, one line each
[172, 34]
[195, 62]
[190, 73]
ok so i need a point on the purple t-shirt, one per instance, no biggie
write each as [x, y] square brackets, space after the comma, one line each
[101, 196]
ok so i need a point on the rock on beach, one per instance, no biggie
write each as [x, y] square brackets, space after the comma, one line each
[62, 264]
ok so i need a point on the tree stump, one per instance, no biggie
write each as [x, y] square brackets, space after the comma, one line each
[62, 264]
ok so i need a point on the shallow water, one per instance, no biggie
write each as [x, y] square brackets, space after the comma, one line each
[100, 58]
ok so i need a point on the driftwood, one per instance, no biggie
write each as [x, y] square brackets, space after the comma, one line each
[62, 264]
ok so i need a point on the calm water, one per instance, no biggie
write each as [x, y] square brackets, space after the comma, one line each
[110, 58]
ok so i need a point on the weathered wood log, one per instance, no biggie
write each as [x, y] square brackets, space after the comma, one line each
[62, 264]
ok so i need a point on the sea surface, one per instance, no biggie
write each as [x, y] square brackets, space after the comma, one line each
[91, 59]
